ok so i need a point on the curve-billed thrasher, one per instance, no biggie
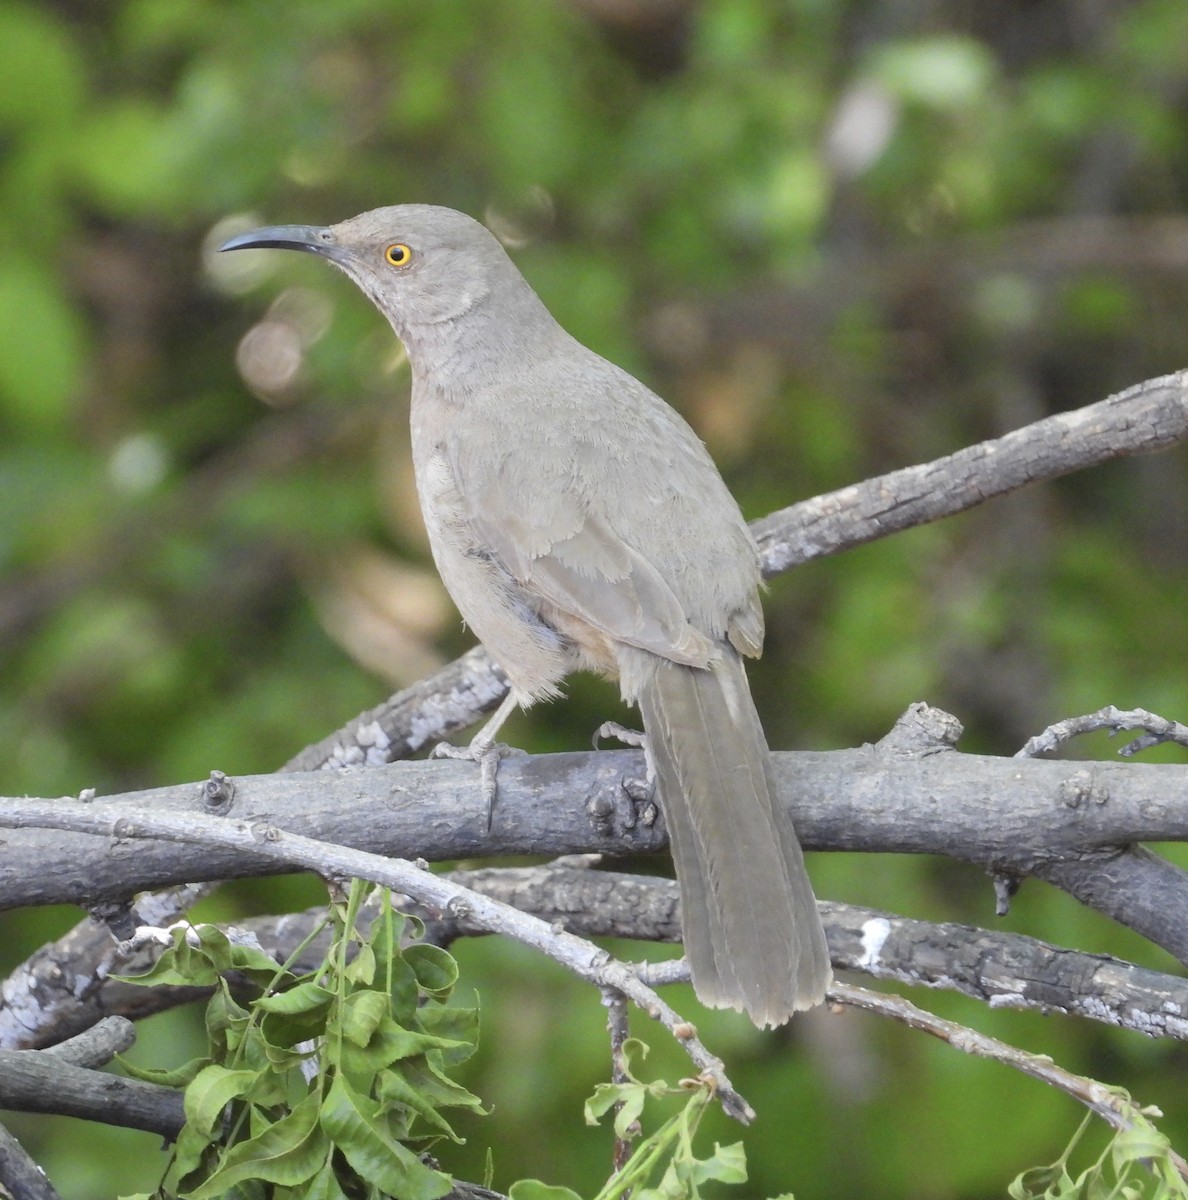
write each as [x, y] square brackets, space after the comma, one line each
[579, 523]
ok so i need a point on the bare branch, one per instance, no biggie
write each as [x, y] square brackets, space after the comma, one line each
[900, 796]
[1147, 417]
[1135, 886]
[998, 968]
[36, 1081]
[96, 1046]
[430, 710]
[20, 1176]
[60, 989]
[1158, 730]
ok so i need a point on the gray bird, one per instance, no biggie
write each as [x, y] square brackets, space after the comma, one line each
[579, 524]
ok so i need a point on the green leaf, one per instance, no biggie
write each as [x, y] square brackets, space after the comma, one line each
[213, 1088]
[435, 1087]
[405, 994]
[174, 1077]
[191, 1150]
[435, 969]
[287, 1153]
[215, 945]
[361, 1133]
[361, 969]
[361, 1014]
[388, 1044]
[225, 1018]
[179, 965]
[1140, 1142]
[324, 1185]
[533, 1189]
[306, 997]
[259, 967]
[727, 1164]
[397, 1091]
[632, 1096]
[458, 1029]
[1036, 1181]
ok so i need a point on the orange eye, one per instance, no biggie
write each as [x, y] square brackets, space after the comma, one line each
[397, 255]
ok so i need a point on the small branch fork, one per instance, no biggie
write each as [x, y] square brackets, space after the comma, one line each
[1158, 731]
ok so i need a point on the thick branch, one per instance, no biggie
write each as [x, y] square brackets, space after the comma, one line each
[36, 1081]
[425, 713]
[21, 1177]
[1147, 417]
[1136, 887]
[999, 968]
[876, 799]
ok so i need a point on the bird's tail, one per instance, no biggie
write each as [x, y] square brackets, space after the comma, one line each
[752, 933]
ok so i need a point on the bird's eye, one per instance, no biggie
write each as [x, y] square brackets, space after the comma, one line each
[397, 255]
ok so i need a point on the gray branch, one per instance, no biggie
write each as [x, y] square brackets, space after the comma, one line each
[1001, 969]
[264, 839]
[913, 793]
[20, 1176]
[62, 1080]
[1145, 418]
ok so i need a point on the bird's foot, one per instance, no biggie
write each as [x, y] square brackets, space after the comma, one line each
[642, 791]
[629, 737]
[488, 755]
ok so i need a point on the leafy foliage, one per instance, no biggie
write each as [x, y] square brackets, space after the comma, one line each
[667, 1152]
[326, 1082]
[1137, 1163]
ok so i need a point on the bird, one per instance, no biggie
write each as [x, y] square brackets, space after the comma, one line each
[579, 523]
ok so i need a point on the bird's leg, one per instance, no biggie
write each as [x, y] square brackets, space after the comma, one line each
[642, 791]
[485, 750]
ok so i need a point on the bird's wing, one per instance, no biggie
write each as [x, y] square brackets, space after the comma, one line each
[565, 555]
[596, 577]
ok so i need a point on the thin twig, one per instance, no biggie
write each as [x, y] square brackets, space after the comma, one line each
[617, 1025]
[1111, 1105]
[1158, 731]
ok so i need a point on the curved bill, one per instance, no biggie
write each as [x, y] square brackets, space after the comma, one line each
[312, 238]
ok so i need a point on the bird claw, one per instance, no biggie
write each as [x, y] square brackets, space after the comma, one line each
[642, 792]
[488, 755]
[629, 737]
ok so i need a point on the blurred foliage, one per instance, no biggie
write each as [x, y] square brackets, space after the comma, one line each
[841, 237]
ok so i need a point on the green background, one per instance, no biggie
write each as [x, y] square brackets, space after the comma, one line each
[840, 237]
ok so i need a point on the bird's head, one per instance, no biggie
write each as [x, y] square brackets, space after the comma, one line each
[421, 265]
